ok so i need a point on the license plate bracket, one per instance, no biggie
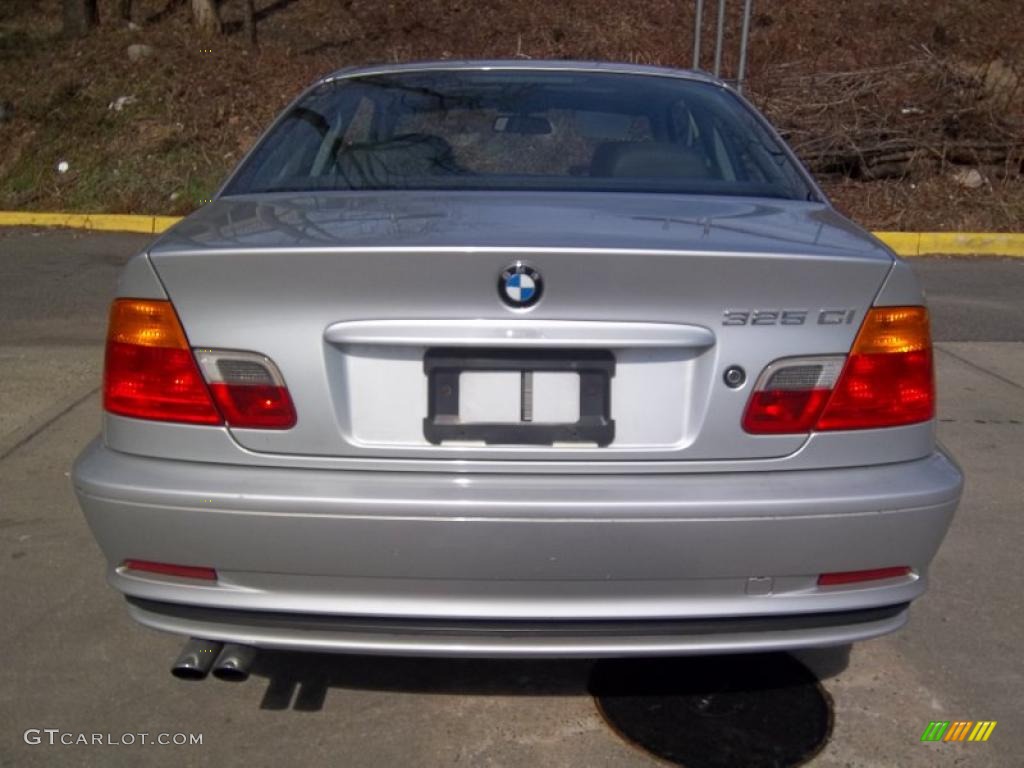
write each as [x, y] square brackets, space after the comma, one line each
[443, 367]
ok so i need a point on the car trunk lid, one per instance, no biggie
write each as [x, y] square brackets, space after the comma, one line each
[354, 295]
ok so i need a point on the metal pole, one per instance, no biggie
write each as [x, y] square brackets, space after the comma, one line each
[743, 45]
[718, 38]
[696, 34]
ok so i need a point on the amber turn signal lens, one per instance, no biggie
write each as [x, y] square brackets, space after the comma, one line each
[888, 379]
[145, 323]
[149, 371]
[885, 381]
[893, 330]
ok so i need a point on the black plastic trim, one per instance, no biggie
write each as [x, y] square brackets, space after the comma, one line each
[595, 367]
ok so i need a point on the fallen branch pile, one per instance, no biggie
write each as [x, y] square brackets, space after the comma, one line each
[892, 121]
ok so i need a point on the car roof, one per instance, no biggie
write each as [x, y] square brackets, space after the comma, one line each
[524, 65]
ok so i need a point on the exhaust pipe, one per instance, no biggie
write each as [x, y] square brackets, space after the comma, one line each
[195, 659]
[234, 662]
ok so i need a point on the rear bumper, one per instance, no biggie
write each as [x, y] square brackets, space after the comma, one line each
[434, 637]
[512, 565]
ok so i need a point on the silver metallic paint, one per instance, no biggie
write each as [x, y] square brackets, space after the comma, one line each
[324, 264]
[138, 280]
[310, 523]
[488, 546]
[524, 333]
[821, 450]
[473, 644]
[901, 288]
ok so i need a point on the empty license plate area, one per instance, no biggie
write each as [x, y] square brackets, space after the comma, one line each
[524, 397]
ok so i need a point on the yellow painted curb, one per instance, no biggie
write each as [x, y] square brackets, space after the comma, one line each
[162, 223]
[904, 243]
[954, 243]
[112, 222]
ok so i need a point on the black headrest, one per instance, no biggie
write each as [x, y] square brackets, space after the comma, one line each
[648, 158]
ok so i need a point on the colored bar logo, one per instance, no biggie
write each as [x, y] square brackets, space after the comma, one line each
[958, 730]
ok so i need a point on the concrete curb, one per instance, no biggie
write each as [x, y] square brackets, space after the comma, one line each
[907, 244]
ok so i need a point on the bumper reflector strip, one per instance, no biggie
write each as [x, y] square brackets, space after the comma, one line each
[852, 577]
[168, 569]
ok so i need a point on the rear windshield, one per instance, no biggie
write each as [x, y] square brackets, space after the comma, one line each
[521, 130]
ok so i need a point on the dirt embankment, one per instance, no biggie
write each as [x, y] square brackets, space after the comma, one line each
[911, 113]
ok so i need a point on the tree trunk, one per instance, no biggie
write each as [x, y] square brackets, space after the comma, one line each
[124, 8]
[79, 17]
[250, 22]
[206, 16]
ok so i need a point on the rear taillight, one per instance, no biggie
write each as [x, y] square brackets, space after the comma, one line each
[790, 394]
[248, 388]
[149, 371]
[886, 381]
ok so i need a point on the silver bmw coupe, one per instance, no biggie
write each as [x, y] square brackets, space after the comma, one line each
[517, 359]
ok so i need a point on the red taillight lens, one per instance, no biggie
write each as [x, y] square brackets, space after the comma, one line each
[852, 577]
[149, 371]
[248, 388]
[888, 379]
[169, 569]
[780, 411]
[258, 407]
[790, 394]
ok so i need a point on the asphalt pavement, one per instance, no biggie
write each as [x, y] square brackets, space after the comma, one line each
[73, 660]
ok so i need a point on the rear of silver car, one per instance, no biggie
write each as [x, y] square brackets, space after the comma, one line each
[578, 473]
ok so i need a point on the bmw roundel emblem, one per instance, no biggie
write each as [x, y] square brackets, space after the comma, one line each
[520, 285]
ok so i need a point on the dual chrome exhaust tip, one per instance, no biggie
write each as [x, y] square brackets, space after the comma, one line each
[227, 661]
